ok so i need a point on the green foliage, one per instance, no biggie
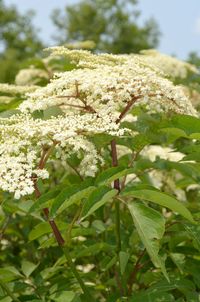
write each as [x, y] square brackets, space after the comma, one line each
[19, 40]
[131, 233]
[150, 225]
[154, 241]
[96, 21]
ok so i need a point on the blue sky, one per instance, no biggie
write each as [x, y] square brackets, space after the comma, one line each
[179, 21]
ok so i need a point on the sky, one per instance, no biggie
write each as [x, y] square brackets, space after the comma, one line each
[178, 20]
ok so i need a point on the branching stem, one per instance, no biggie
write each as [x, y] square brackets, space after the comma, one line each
[58, 236]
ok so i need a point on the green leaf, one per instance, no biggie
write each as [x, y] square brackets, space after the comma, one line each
[150, 225]
[28, 267]
[94, 249]
[69, 196]
[179, 260]
[160, 198]
[6, 299]
[109, 175]
[194, 233]
[192, 156]
[9, 273]
[123, 260]
[52, 111]
[43, 199]
[44, 228]
[64, 296]
[173, 134]
[97, 199]
[187, 123]
[152, 297]
[39, 230]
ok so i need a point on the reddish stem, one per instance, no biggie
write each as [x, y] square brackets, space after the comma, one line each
[127, 108]
[60, 240]
[115, 163]
[134, 272]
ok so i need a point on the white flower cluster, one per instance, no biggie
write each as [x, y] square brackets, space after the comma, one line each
[107, 88]
[30, 76]
[16, 89]
[165, 179]
[93, 99]
[169, 65]
[23, 138]
[154, 151]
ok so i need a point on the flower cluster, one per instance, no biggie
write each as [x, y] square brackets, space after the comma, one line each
[16, 89]
[169, 65]
[107, 88]
[93, 98]
[24, 139]
[31, 76]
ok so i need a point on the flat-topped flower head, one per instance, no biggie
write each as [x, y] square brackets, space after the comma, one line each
[93, 98]
[169, 65]
[108, 88]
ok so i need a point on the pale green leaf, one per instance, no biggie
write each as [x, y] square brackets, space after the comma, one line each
[160, 198]
[28, 267]
[111, 174]
[150, 225]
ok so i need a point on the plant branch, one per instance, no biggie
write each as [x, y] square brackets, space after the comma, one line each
[133, 274]
[75, 170]
[59, 238]
[127, 108]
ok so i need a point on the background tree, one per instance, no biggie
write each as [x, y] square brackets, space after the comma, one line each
[18, 40]
[111, 24]
[194, 58]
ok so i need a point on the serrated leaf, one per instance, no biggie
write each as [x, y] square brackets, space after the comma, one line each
[194, 233]
[150, 225]
[97, 199]
[160, 198]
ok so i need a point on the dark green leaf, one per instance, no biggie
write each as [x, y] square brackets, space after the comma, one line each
[97, 199]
